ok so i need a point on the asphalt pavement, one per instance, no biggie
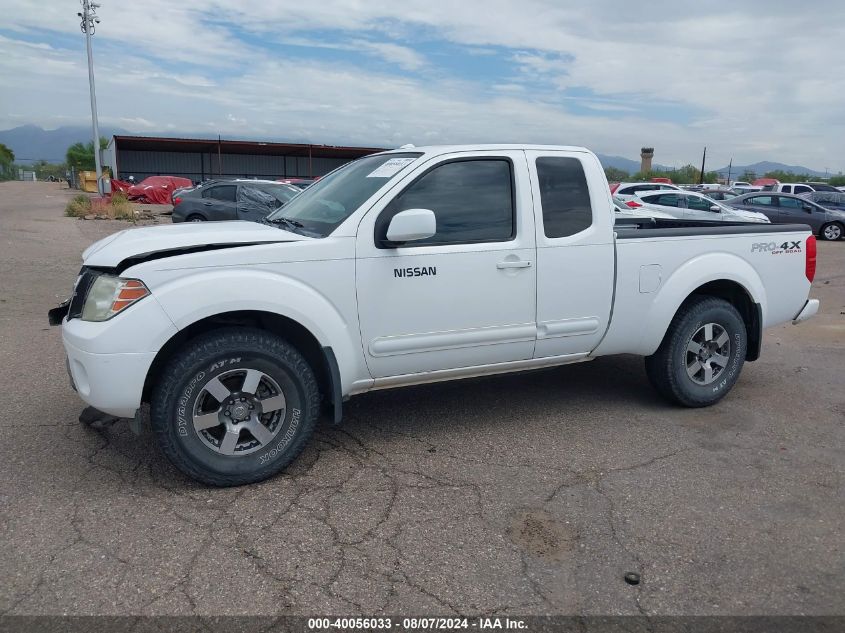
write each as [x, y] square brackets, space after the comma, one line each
[519, 494]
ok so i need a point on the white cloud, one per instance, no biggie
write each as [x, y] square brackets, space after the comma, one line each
[754, 84]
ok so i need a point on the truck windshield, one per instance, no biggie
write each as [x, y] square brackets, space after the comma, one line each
[321, 208]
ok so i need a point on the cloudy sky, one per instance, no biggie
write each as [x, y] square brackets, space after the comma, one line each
[761, 80]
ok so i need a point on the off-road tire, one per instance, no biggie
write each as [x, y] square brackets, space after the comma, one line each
[667, 367]
[221, 353]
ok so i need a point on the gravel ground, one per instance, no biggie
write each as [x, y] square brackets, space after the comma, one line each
[519, 494]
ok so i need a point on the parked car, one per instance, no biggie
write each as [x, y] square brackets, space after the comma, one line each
[786, 208]
[627, 190]
[789, 187]
[632, 209]
[409, 267]
[828, 199]
[690, 205]
[720, 194]
[231, 200]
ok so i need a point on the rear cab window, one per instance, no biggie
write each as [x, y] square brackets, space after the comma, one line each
[564, 196]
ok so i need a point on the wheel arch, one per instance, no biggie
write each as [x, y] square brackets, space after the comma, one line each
[321, 359]
[730, 278]
[739, 297]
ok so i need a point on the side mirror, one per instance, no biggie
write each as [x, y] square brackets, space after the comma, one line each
[411, 225]
[808, 208]
[716, 208]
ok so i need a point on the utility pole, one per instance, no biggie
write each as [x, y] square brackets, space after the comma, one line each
[701, 177]
[89, 19]
[730, 165]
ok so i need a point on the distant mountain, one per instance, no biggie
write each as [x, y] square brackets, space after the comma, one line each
[766, 166]
[31, 143]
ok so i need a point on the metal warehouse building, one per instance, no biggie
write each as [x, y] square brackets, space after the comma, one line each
[201, 159]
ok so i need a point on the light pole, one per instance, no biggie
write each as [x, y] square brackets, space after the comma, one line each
[89, 20]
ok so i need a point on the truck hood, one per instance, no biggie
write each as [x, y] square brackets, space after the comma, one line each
[158, 241]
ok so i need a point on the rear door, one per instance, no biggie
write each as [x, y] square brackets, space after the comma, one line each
[670, 203]
[765, 204]
[219, 202]
[575, 251]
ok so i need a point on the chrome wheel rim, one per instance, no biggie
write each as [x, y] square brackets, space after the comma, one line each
[707, 353]
[832, 232]
[239, 412]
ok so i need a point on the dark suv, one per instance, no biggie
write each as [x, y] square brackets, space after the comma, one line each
[231, 200]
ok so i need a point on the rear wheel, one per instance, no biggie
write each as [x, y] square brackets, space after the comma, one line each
[832, 231]
[235, 406]
[196, 217]
[701, 355]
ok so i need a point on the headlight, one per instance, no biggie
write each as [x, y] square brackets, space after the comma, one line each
[109, 295]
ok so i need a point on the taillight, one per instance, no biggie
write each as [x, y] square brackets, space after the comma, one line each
[633, 204]
[810, 261]
[176, 201]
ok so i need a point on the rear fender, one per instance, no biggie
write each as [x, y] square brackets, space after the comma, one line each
[685, 280]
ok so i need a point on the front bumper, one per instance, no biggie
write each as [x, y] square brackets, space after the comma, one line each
[108, 361]
[810, 309]
[112, 383]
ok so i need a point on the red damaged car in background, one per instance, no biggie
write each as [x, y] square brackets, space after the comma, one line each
[151, 190]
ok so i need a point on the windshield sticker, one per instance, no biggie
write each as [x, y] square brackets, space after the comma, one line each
[390, 168]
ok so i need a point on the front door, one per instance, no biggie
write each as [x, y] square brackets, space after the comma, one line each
[699, 209]
[464, 297]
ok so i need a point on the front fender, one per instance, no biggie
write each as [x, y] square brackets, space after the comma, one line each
[685, 280]
[204, 293]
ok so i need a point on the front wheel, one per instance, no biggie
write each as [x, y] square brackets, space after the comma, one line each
[234, 406]
[832, 232]
[701, 355]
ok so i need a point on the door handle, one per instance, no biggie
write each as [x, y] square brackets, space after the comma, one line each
[519, 263]
[208, 204]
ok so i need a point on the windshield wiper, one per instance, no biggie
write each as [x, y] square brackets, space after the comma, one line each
[283, 220]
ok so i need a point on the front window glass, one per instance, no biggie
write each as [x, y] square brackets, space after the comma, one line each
[323, 206]
[472, 201]
[790, 203]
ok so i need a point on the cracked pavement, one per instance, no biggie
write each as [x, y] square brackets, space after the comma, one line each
[511, 495]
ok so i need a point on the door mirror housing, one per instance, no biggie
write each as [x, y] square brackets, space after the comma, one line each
[808, 208]
[716, 208]
[411, 225]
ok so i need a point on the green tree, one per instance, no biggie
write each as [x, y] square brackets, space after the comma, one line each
[43, 170]
[837, 181]
[747, 176]
[81, 157]
[786, 176]
[7, 161]
[614, 174]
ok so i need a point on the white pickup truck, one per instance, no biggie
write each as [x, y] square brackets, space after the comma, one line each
[406, 267]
